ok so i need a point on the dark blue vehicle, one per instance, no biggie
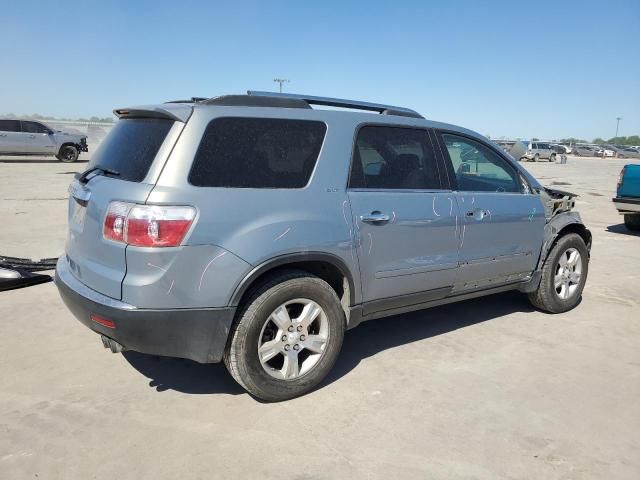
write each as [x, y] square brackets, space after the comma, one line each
[627, 199]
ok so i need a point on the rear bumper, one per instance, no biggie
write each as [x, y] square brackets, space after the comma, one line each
[627, 204]
[196, 334]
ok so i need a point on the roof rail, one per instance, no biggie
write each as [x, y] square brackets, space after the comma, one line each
[255, 101]
[342, 103]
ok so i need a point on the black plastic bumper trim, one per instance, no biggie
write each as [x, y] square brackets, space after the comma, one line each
[195, 334]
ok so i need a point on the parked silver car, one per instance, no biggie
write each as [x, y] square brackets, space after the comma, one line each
[629, 152]
[585, 151]
[255, 229]
[539, 151]
[28, 137]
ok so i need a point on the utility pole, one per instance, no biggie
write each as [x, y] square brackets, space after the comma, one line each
[281, 81]
[617, 125]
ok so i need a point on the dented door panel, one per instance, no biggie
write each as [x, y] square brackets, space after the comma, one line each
[501, 238]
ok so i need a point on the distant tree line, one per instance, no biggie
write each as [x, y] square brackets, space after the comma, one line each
[632, 140]
[37, 116]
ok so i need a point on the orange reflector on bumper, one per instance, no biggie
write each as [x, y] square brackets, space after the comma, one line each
[103, 321]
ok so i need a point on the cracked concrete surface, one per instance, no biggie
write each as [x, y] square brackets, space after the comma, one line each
[484, 389]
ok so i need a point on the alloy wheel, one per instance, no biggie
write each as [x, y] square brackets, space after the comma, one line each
[293, 339]
[568, 273]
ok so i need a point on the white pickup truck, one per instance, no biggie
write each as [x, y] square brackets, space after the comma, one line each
[27, 137]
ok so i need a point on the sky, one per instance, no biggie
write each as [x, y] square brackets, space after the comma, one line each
[546, 69]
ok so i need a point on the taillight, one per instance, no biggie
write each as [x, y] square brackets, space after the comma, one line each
[115, 220]
[147, 225]
[621, 177]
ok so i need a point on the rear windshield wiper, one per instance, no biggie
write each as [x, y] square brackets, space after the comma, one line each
[84, 176]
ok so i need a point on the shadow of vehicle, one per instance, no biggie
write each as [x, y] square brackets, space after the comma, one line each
[364, 341]
[186, 376]
[375, 336]
[621, 228]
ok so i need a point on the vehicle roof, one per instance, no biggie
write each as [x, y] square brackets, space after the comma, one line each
[277, 105]
[24, 120]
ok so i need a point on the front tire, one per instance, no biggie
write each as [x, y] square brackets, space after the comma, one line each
[564, 275]
[536, 157]
[632, 221]
[287, 337]
[552, 158]
[68, 154]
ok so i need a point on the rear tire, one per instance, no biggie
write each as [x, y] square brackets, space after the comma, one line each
[277, 351]
[562, 280]
[68, 154]
[632, 221]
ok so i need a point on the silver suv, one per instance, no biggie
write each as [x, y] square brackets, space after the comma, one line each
[539, 150]
[256, 229]
[28, 137]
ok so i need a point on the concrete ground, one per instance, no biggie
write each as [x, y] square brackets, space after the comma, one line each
[488, 389]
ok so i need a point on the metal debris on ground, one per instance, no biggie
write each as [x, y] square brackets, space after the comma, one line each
[19, 272]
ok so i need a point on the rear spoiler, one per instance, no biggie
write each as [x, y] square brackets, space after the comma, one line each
[176, 112]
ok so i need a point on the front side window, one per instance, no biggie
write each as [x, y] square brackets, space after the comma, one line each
[33, 127]
[393, 158]
[478, 168]
[257, 153]
[9, 125]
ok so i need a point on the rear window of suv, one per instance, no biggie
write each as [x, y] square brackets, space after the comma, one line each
[257, 153]
[131, 146]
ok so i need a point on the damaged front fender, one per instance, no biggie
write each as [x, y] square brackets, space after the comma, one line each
[560, 220]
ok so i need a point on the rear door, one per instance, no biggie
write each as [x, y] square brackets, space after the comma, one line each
[405, 217]
[135, 148]
[36, 138]
[9, 136]
[502, 220]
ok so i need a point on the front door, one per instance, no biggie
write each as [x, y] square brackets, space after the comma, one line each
[36, 138]
[502, 220]
[405, 218]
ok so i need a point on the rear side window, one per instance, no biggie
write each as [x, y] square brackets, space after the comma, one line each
[131, 146]
[393, 158]
[257, 153]
[9, 125]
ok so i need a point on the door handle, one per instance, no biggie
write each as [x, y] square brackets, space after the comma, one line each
[3, 134]
[478, 213]
[32, 136]
[375, 217]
